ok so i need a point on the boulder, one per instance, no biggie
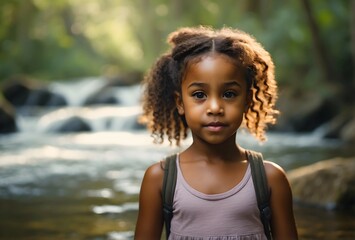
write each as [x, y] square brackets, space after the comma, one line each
[341, 127]
[137, 124]
[333, 128]
[347, 133]
[303, 111]
[16, 91]
[7, 118]
[73, 124]
[44, 97]
[103, 96]
[329, 184]
[21, 92]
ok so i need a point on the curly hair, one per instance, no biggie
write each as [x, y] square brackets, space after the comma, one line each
[165, 77]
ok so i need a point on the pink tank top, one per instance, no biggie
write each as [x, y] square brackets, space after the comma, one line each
[232, 215]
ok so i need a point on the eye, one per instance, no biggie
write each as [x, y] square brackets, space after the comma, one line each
[229, 94]
[199, 95]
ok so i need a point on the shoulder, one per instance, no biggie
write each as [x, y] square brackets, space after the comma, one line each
[274, 170]
[276, 175]
[152, 182]
[155, 172]
[277, 179]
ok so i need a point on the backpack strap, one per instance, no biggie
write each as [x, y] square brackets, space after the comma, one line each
[260, 184]
[261, 189]
[169, 182]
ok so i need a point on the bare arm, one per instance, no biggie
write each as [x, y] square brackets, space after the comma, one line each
[150, 216]
[283, 224]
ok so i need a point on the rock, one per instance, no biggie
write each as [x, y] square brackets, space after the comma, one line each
[329, 184]
[73, 124]
[21, 92]
[341, 127]
[303, 111]
[137, 124]
[347, 133]
[7, 118]
[16, 90]
[43, 97]
[333, 128]
[103, 96]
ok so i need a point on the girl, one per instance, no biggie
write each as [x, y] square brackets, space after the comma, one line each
[209, 82]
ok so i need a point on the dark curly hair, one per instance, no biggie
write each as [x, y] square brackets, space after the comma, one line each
[165, 77]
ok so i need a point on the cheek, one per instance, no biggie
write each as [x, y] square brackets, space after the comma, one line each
[238, 110]
[193, 112]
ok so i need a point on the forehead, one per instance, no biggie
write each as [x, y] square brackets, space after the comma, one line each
[214, 64]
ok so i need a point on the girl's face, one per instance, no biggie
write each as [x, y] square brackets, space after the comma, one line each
[213, 98]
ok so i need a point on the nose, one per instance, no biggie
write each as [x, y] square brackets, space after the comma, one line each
[215, 107]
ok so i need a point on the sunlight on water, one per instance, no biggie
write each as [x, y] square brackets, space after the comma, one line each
[45, 153]
[110, 138]
[101, 193]
[120, 235]
[127, 186]
[115, 209]
[118, 174]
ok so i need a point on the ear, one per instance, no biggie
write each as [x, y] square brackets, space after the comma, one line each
[179, 103]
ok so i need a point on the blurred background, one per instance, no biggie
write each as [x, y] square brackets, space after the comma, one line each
[72, 153]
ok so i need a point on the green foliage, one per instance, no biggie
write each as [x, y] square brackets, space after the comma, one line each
[66, 39]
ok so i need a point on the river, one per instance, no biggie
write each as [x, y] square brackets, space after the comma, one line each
[85, 185]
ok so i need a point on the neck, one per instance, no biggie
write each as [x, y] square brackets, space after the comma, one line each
[226, 151]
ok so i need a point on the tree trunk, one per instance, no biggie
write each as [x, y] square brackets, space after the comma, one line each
[319, 47]
[352, 32]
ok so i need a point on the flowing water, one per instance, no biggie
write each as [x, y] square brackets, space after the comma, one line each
[86, 185]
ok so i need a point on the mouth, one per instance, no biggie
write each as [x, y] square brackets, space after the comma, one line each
[215, 126]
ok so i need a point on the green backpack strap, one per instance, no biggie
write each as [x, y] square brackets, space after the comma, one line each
[261, 189]
[169, 182]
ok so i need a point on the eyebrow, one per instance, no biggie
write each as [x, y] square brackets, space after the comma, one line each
[233, 83]
[197, 84]
[228, 84]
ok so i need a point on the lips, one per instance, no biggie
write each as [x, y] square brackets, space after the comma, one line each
[215, 126]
